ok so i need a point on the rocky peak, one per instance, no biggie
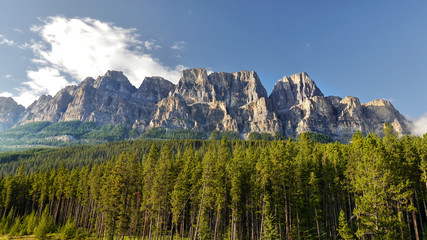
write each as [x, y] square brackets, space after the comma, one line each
[10, 111]
[351, 109]
[40, 103]
[379, 103]
[222, 101]
[156, 84]
[152, 90]
[114, 82]
[8, 103]
[293, 90]
[254, 88]
[193, 86]
[384, 111]
[195, 75]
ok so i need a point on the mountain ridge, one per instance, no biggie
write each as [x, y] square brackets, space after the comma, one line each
[206, 102]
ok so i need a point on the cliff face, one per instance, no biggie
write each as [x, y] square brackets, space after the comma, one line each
[221, 101]
[301, 107]
[108, 99]
[218, 101]
[10, 112]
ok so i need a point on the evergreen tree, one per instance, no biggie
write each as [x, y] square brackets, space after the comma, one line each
[344, 229]
[69, 230]
[45, 225]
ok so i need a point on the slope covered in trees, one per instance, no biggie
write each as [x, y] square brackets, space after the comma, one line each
[372, 188]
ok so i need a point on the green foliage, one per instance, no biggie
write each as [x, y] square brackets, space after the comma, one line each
[166, 133]
[16, 227]
[260, 136]
[71, 128]
[219, 189]
[270, 230]
[108, 132]
[30, 223]
[24, 131]
[317, 137]
[134, 133]
[48, 134]
[69, 230]
[344, 229]
[45, 226]
[230, 135]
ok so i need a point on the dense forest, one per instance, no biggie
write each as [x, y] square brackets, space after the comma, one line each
[372, 188]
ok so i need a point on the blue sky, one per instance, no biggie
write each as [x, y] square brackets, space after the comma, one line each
[367, 49]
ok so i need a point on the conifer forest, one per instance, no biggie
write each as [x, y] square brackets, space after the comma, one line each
[371, 188]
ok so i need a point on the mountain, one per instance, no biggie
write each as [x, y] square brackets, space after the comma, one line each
[110, 99]
[10, 112]
[206, 102]
[221, 101]
[301, 107]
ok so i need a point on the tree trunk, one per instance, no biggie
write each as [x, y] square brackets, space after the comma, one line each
[414, 219]
[200, 211]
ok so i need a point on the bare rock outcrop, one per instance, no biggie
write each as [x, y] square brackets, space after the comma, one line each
[219, 101]
[108, 99]
[10, 112]
[301, 107]
[206, 102]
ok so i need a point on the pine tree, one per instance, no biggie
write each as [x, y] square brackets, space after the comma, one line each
[344, 229]
[69, 230]
[45, 225]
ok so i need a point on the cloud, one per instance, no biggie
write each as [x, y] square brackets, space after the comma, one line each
[8, 76]
[83, 47]
[6, 94]
[5, 41]
[18, 30]
[420, 125]
[178, 45]
[149, 45]
[41, 81]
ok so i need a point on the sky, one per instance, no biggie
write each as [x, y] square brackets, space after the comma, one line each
[368, 49]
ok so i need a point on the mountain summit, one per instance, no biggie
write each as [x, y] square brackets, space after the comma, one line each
[206, 102]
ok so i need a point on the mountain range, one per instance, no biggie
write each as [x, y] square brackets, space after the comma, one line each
[205, 102]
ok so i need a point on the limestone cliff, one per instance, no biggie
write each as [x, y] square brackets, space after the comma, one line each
[302, 107]
[10, 112]
[108, 99]
[219, 101]
[206, 102]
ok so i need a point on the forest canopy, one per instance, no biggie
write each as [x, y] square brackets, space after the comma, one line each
[372, 188]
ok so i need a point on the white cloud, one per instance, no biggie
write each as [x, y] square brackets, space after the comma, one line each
[178, 45]
[41, 81]
[83, 47]
[18, 30]
[149, 45]
[420, 125]
[6, 94]
[5, 41]
[8, 76]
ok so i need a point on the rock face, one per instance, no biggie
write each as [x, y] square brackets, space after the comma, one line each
[218, 101]
[221, 101]
[293, 90]
[10, 112]
[301, 107]
[108, 99]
